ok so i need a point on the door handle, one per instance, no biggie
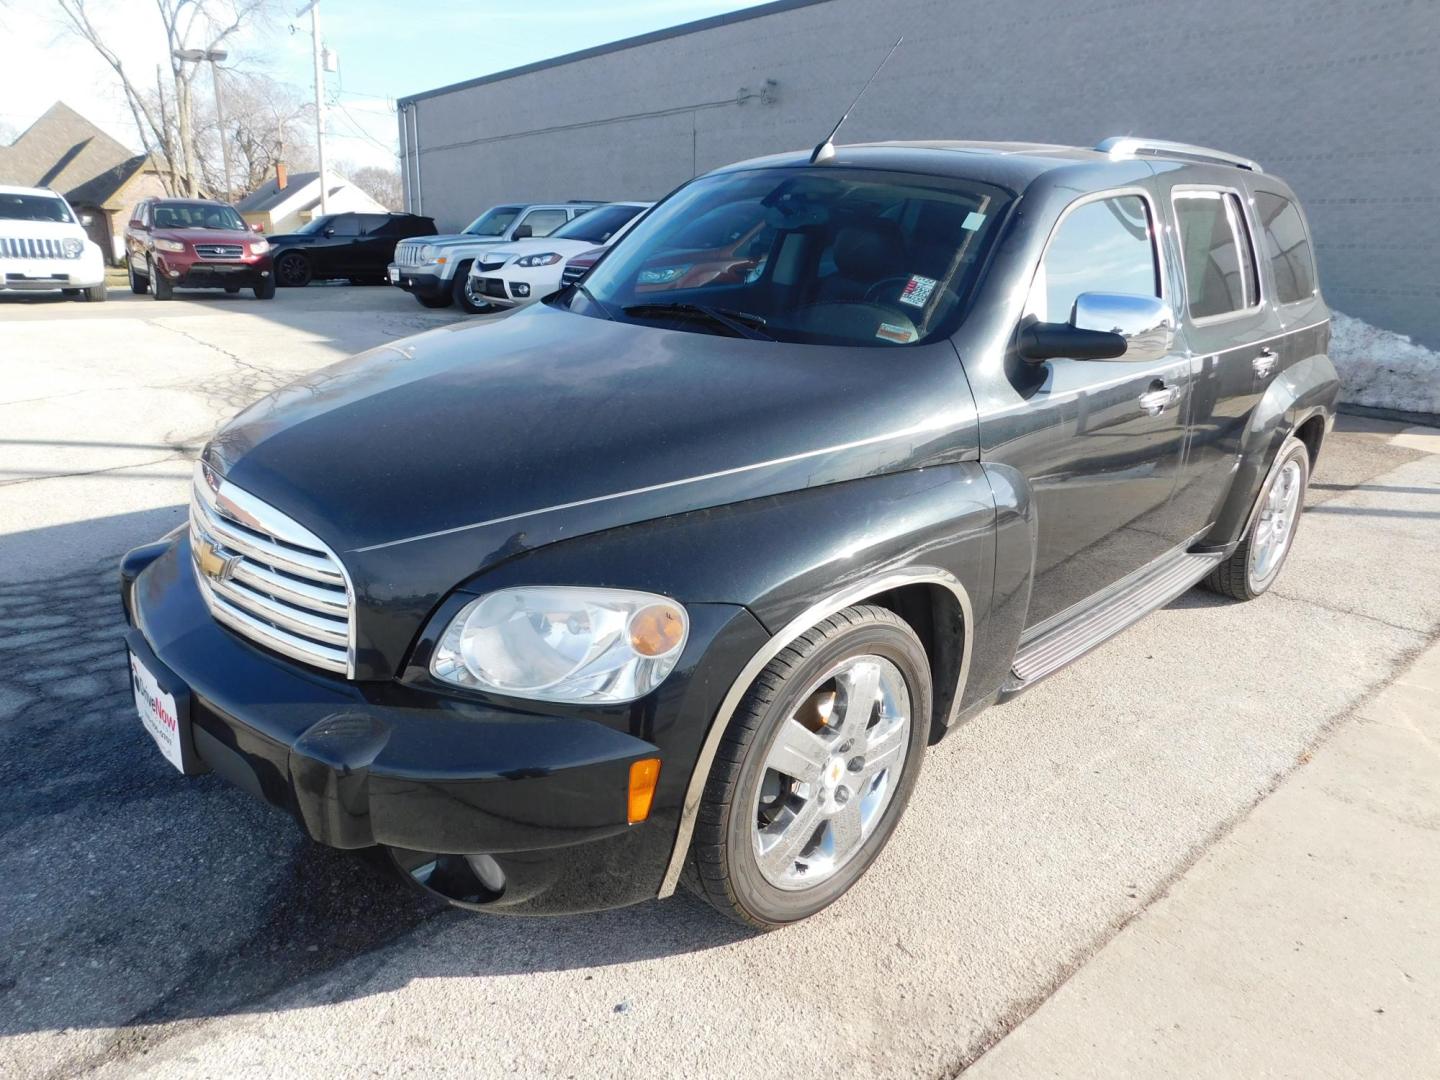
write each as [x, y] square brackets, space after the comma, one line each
[1155, 400]
[1264, 363]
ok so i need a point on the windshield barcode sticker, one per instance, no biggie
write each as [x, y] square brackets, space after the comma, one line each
[891, 332]
[917, 291]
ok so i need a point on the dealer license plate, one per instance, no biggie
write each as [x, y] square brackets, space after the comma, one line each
[158, 713]
[394, 276]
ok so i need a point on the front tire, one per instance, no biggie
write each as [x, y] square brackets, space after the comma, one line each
[160, 285]
[292, 270]
[97, 294]
[139, 285]
[464, 296]
[814, 770]
[1256, 563]
[265, 290]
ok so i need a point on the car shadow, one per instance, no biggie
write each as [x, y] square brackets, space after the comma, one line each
[130, 895]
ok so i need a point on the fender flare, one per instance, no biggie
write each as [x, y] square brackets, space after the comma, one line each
[1302, 391]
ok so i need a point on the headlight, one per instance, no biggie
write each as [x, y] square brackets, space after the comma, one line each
[563, 643]
[73, 248]
[547, 259]
[169, 245]
[259, 247]
[427, 253]
[661, 275]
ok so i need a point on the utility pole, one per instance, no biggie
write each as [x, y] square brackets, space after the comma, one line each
[313, 7]
[212, 55]
[215, 55]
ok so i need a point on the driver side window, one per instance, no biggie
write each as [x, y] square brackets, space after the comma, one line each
[1106, 245]
[345, 224]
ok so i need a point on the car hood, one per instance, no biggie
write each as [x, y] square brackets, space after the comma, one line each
[425, 461]
[454, 240]
[41, 230]
[540, 245]
[207, 236]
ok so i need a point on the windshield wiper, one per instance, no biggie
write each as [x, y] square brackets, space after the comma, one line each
[604, 307]
[742, 323]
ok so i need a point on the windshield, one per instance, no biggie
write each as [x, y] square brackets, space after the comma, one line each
[494, 221]
[598, 225]
[197, 216]
[817, 255]
[34, 208]
[315, 225]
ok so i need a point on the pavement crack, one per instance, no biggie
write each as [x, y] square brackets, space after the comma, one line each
[179, 455]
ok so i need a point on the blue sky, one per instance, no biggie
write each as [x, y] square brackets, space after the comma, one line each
[387, 49]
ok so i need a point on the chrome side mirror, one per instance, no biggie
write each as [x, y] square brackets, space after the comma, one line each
[1145, 322]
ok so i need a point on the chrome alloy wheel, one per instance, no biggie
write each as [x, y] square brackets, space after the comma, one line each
[831, 771]
[1276, 524]
[476, 297]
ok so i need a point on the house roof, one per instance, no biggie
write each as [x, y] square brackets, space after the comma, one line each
[269, 195]
[64, 151]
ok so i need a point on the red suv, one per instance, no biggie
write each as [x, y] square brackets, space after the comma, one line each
[195, 244]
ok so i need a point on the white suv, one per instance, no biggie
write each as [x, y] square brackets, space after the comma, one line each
[434, 268]
[43, 246]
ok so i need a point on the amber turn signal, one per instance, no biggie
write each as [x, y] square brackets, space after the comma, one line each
[644, 774]
[656, 630]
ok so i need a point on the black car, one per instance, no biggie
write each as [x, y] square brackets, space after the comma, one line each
[354, 246]
[659, 582]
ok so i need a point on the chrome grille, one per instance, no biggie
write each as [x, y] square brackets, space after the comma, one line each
[572, 274]
[268, 578]
[33, 247]
[490, 266]
[219, 251]
[408, 254]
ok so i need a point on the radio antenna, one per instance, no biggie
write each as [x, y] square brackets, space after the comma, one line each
[826, 150]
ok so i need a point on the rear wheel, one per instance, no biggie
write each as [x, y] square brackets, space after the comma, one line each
[814, 771]
[139, 283]
[292, 270]
[1256, 563]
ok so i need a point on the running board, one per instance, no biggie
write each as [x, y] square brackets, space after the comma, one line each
[1076, 636]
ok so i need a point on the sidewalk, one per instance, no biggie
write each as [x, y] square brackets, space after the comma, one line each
[1304, 944]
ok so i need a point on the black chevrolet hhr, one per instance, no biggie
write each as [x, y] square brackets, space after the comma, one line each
[673, 577]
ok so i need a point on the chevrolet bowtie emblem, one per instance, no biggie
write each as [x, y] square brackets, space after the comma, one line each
[213, 562]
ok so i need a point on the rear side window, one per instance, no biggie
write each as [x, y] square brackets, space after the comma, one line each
[1102, 246]
[544, 222]
[1220, 274]
[1287, 247]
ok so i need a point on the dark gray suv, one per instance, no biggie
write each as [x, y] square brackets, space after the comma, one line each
[673, 576]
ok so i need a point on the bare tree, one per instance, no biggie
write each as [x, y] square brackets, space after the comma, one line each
[266, 122]
[381, 184]
[186, 24]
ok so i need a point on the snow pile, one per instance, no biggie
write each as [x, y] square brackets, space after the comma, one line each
[1383, 369]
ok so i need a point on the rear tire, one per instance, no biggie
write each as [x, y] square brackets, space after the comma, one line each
[1256, 563]
[771, 848]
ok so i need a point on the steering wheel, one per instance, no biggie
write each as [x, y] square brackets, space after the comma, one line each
[872, 293]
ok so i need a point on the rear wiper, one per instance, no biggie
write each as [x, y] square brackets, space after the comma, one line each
[742, 323]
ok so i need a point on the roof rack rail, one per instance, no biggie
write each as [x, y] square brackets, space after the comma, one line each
[1130, 146]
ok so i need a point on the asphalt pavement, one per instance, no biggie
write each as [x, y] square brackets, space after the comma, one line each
[155, 925]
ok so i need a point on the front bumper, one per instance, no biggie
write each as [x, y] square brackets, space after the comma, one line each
[35, 275]
[421, 283]
[230, 273]
[365, 763]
